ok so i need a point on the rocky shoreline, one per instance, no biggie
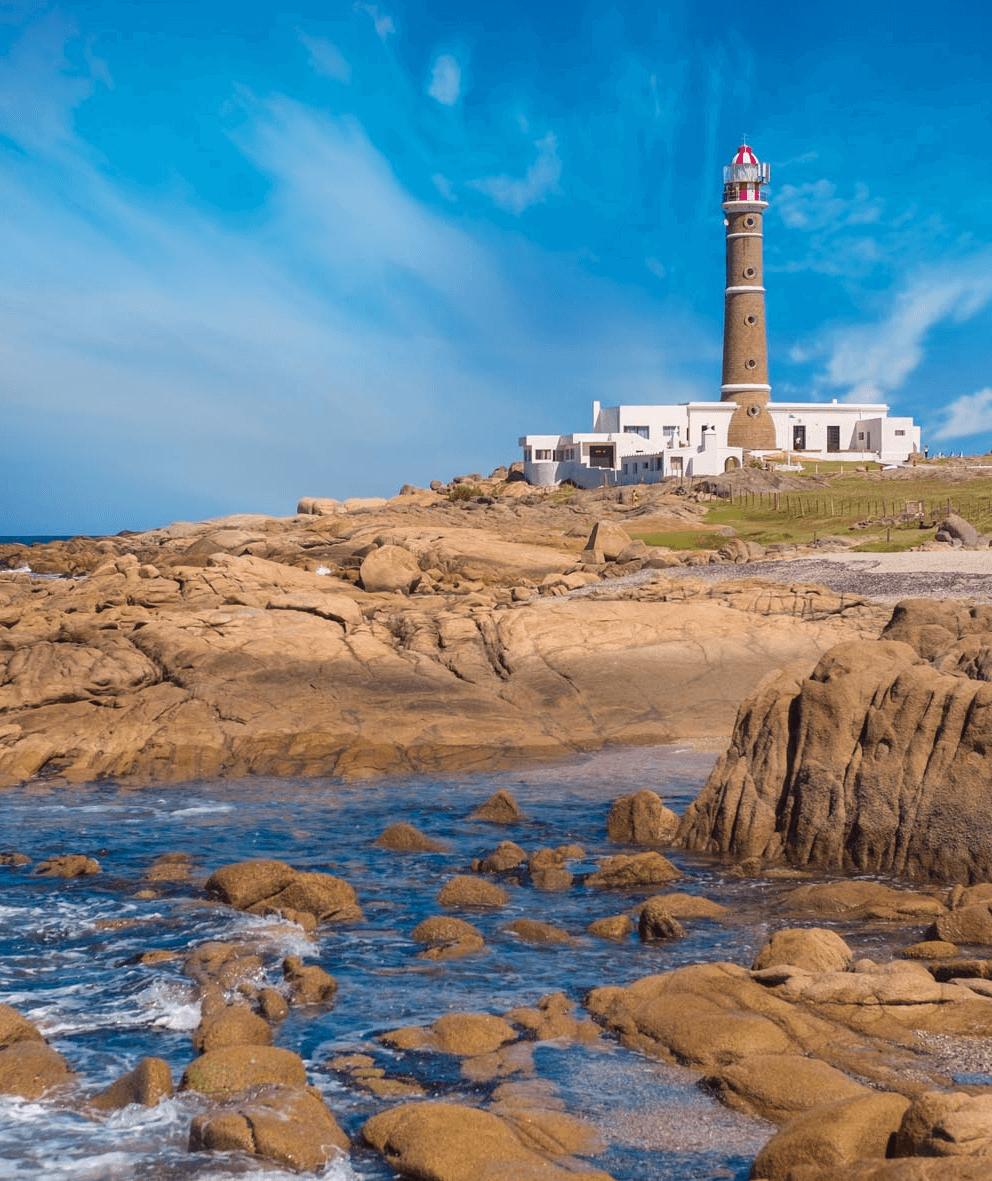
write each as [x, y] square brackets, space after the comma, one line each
[845, 1056]
[420, 633]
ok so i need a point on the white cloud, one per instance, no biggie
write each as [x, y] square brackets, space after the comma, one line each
[817, 206]
[970, 414]
[655, 267]
[446, 80]
[443, 186]
[382, 21]
[870, 359]
[516, 194]
[326, 58]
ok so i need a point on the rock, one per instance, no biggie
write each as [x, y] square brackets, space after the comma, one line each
[29, 1069]
[502, 859]
[841, 1132]
[327, 898]
[16, 1028]
[778, 1087]
[534, 931]
[641, 819]
[390, 568]
[609, 539]
[500, 808]
[957, 528]
[447, 938]
[554, 1020]
[225, 965]
[872, 763]
[967, 924]
[243, 884]
[232, 1025]
[272, 1005]
[933, 949]
[467, 892]
[148, 1084]
[451, 1142]
[655, 922]
[861, 900]
[15, 860]
[67, 865]
[692, 906]
[224, 1072]
[617, 927]
[462, 1034]
[941, 1123]
[404, 838]
[170, 867]
[291, 1126]
[310, 984]
[637, 871]
[813, 948]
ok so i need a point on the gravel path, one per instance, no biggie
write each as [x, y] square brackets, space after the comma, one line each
[930, 574]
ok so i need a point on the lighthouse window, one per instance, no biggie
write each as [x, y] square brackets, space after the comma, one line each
[749, 272]
[750, 363]
[752, 319]
[749, 221]
[753, 411]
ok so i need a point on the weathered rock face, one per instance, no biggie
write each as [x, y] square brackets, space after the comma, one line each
[876, 761]
[272, 887]
[256, 646]
[148, 1084]
[641, 819]
[449, 1142]
[286, 1124]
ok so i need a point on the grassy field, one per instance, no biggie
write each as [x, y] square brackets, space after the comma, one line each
[891, 514]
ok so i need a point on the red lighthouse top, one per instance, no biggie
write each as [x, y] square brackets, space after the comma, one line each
[743, 179]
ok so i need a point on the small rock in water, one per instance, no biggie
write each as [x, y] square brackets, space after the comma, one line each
[500, 808]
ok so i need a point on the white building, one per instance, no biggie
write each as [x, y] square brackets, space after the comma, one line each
[645, 444]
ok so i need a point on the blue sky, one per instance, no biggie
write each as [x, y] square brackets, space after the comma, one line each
[250, 255]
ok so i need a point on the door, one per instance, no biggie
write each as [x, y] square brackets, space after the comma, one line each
[833, 438]
[798, 438]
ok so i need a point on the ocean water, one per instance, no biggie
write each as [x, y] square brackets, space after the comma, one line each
[69, 958]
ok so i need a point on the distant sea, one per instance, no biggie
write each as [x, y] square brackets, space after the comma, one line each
[35, 538]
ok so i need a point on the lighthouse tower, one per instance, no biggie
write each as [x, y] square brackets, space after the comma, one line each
[745, 349]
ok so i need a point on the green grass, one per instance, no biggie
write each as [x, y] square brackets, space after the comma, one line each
[683, 539]
[835, 506]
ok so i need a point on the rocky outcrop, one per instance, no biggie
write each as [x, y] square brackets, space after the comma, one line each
[641, 819]
[875, 761]
[29, 1067]
[376, 640]
[149, 1083]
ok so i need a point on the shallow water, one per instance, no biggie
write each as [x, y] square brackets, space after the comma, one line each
[68, 957]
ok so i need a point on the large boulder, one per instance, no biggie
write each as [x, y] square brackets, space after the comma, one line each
[641, 819]
[31, 1068]
[451, 1142]
[289, 1125]
[814, 948]
[608, 539]
[874, 762]
[837, 1133]
[467, 892]
[946, 1123]
[226, 1071]
[778, 1087]
[634, 872]
[273, 887]
[390, 568]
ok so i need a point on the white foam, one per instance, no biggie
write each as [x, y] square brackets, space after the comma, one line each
[322, 570]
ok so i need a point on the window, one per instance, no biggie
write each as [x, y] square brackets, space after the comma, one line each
[750, 363]
[542, 454]
[643, 431]
[528, 454]
[750, 320]
[900, 432]
[861, 435]
[749, 272]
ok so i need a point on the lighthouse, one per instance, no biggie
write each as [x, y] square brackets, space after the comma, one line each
[745, 348]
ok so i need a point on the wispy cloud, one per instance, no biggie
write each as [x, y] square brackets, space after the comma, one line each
[869, 359]
[444, 186]
[658, 269]
[382, 21]
[817, 206]
[516, 194]
[326, 58]
[446, 80]
[970, 414]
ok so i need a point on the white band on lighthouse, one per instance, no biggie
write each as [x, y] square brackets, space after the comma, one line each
[741, 290]
[742, 388]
